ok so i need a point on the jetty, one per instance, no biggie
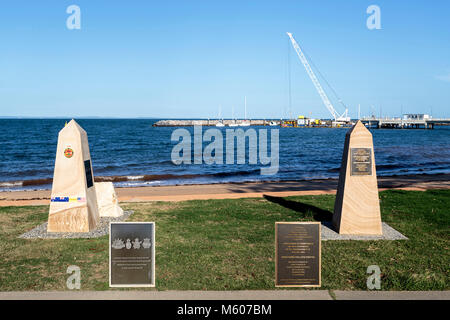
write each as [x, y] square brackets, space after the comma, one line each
[211, 122]
[408, 121]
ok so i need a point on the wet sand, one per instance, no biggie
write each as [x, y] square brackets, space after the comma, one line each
[235, 190]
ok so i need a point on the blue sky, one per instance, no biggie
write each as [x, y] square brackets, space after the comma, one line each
[185, 58]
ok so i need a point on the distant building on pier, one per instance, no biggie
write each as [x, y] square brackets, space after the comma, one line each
[416, 116]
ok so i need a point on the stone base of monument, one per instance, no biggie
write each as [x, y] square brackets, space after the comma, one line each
[102, 229]
[108, 204]
[389, 233]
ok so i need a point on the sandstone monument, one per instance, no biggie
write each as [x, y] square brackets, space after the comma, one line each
[73, 206]
[357, 207]
[108, 204]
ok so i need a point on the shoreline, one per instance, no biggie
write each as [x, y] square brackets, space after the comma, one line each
[235, 190]
[145, 180]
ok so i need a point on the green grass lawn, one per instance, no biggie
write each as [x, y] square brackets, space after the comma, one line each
[229, 245]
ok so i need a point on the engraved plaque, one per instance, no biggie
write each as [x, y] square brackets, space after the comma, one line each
[297, 254]
[361, 161]
[132, 254]
[88, 171]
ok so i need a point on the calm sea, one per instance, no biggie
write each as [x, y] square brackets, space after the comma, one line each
[133, 153]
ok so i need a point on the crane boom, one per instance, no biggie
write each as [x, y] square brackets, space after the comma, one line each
[316, 82]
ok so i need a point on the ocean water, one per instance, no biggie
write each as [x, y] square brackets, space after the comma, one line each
[130, 152]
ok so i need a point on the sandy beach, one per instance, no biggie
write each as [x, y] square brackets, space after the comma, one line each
[235, 190]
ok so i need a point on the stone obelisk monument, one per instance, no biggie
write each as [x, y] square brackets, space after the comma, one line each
[357, 207]
[73, 206]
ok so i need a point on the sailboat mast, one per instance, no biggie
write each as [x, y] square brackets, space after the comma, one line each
[245, 108]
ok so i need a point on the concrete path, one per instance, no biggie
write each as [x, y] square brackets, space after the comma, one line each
[392, 295]
[227, 295]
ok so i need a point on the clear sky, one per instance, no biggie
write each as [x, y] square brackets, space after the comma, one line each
[182, 59]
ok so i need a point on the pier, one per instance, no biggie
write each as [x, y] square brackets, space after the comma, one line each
[413, 122]
[409, 121]
[210, 122]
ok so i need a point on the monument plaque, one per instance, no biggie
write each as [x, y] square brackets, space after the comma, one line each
[297, 254]
[73, 204]
[357, 207]
[361, 161]
[88, 171]
[132, 254]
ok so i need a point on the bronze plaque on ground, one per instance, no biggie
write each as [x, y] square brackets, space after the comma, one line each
[297, 254]
[361, 161]
[132, 254]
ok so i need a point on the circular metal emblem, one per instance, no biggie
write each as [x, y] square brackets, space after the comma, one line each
[68, 153]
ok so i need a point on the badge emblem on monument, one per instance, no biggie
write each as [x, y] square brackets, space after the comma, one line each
[357, 206]
[68, 153]
[73, 180]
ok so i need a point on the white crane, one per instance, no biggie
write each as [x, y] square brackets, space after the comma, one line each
[326, 101]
